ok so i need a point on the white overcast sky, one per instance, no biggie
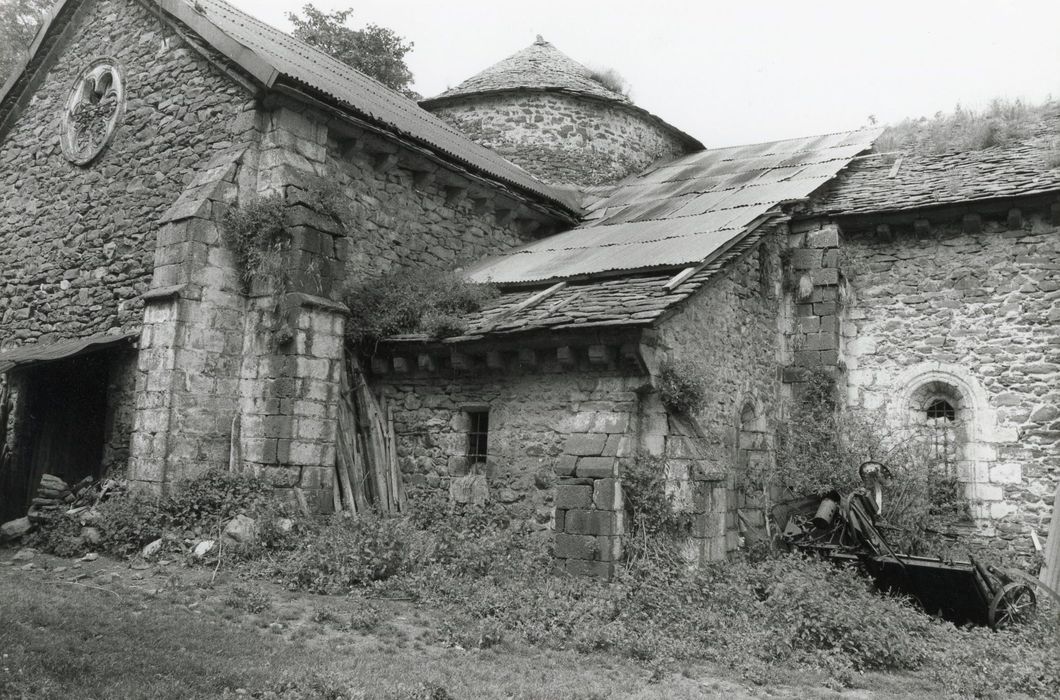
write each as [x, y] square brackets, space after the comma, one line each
[745, 71]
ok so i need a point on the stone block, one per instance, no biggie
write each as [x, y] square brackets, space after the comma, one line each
[595, 467]
[654, 445]
[825, 276]
[708, 525]
[570, 546]
[559, 520]
[617, 446]
[595, 569]
[1006, 473]
[573, 496]
[607, 494]
[607, 422]
[827, 237]
[608, 548]
[565, 465]
[806, 258]
[579, 521]
[585, 444]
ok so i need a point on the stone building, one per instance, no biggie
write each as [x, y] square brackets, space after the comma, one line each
[129, 342]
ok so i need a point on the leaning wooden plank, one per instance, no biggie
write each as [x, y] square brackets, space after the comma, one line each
[401, 500]
[336, 498]
[373, 448]
[350, 462]
[342, 467]
[235, 458]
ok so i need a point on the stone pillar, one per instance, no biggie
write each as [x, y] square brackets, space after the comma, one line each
[289, 394]
[590, 513]
[815, 276]
[187, 372]
[292, 348]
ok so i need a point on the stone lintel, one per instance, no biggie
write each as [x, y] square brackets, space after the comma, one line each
[566, 356]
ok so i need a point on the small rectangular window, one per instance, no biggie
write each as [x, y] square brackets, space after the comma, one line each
[477, 434]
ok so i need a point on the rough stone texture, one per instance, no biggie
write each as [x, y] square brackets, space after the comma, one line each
[76, 243]
[563, 139]
[556, 440]
[979, 313]
[413, 214]
[731, 329]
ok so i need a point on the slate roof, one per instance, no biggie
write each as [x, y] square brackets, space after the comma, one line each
[272, 56]
[631, 301]
[923, 180]
[681, 213]
[540, 66]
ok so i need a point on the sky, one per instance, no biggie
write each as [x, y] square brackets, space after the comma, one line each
[745, 71]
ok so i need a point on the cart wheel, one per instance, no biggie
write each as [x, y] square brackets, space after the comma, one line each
[1014, 603]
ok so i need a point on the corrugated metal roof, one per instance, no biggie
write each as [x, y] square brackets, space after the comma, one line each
[303, 64]
[36, 353]
[683, 212]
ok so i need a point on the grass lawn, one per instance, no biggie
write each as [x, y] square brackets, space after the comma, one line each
[167, 632]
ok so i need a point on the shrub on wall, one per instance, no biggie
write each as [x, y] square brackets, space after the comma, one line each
[682, 387]
[255, 233]
[413, 301]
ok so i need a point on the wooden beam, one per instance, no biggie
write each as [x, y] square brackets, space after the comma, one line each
[422, 179]
[921, 227]
[460, 360]
[528, 357]
[425, 362]
[679, 279]
[504, 216]
[1054, 213]
[883, 232]
[480, 205]
[380, 365]
[972, 223]
[384, 162]
[1014, 219]
[893, 173]
[401, 365]
[601, 355]
[454, 194]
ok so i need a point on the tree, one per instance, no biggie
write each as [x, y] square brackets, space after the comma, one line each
[19, 20]
[375, 51]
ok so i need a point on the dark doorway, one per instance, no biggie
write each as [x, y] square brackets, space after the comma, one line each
[65, 420]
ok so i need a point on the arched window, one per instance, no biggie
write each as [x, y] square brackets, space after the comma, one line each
[938, 410]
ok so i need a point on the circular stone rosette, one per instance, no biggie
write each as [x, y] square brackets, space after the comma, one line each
[93, 111]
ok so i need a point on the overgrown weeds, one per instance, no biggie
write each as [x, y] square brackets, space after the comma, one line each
[610, 79]
[412, 301]
[818, 445]
[1002, 123]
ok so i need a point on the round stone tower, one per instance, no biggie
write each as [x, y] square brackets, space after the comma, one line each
[544, 111]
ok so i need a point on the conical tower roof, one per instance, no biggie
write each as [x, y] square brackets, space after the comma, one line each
[540, 66]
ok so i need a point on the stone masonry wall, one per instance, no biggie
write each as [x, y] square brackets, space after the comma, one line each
[406, 212]
[731, 330]
[978, 313]
[563, 139]
[555, 443]
[77, 243]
